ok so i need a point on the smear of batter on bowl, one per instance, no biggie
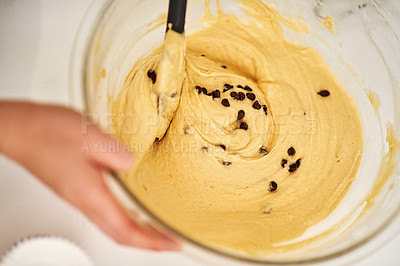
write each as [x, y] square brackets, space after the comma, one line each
[328, 22]
[243, 138]
[374, 100]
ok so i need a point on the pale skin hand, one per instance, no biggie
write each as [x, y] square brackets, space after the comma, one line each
[51, 142]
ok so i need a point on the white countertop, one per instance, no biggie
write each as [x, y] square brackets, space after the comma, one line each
[36, 37]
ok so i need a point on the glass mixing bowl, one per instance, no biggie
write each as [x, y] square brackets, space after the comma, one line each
[363, 50]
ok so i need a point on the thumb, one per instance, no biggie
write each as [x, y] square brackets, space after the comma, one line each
[108, 152]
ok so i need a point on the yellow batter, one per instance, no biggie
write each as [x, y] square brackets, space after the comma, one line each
[244, 139]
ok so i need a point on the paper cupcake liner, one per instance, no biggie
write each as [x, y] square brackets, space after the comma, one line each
[45, 250]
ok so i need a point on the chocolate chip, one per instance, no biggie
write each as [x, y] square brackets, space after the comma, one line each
[324, 93]
[256, 105]
[283, 162]
[198, 89]
[272, 186]
[244, 126]
[247, 88]
[223, 66]
[291, 151]
[227, 87]
[298, 163]
[251, 96]
[241, 115]
[216, 94]
[226, 163]
[234, 95]
[203, 55]
[292, 167]
[241, 96]
[204, 90]
[223, 146]
[152, 75]
[225, 102]
[174, 95]
[204, 149]
[265, 109]
[263, 150]
[240, 86]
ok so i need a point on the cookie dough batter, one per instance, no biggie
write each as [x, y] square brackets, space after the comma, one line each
[243, 138]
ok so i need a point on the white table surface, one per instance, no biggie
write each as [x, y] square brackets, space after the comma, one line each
[36, 37]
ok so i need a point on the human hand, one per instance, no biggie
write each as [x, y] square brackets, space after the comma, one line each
[51, 143]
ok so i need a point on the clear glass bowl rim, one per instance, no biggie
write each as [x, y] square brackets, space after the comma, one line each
[78, 95]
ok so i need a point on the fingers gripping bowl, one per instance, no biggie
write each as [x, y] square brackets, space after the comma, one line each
[336, 92]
